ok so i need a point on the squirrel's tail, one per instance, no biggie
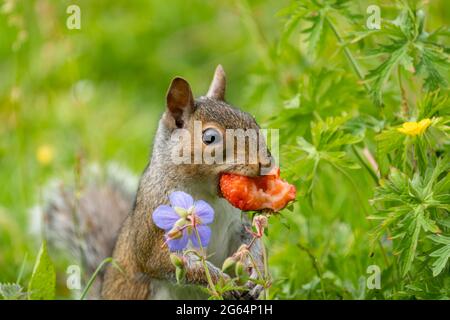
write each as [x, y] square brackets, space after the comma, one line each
[83, 221]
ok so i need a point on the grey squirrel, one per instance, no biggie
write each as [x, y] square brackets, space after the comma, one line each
[108, 225]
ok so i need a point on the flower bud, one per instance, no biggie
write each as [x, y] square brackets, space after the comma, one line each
[180, 273]
[260, 223]
[177, 261]
[242, 252]
[181, 212]
[228, 263]
[239, 269]
[175, 233]
[181, 223]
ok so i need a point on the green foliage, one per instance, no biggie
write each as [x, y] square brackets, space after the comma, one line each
[411, 208]
[408, 45]
[442, 254]
[11, 291]
[43, 278]
[328, 143]
[396, 131]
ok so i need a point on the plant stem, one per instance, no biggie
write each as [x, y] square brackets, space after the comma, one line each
[22, 268]
[349, 55]
[405, 108]
[266, 269]
[255, 265]
[259, 273]
[94, 276]
[315, 266]
[365, 165]
[205, 265]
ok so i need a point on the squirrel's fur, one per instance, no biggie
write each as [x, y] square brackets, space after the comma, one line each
[139, 246]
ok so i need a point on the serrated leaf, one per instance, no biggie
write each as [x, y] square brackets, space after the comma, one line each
[443, 255]
[289, 27]
[11, 291]
[407, 62]
[429, 225]
[380, 75]
[43, 279]
[428, 65]
[314, 32]
[388, 141]
[440, 239]
[411, 250]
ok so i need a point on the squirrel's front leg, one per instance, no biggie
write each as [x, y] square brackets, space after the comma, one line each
[195, 273]
[124, 280]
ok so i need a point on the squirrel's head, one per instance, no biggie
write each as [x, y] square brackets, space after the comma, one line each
[207, 136]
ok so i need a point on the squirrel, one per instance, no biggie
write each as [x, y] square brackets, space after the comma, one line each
[109, 225]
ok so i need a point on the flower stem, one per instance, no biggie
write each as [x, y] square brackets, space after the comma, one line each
[258, 272]
[348, 54]
[266, 269]
[255, 265]
[405, 108]
[205, 265]
[365, 165]
[94, 276]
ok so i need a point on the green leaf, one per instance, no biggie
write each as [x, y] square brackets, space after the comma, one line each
[430, 61]
[43, 279]
[407, 63]
[440, 239]
[290, 25]
[412, 238]
[433, 104]
[380, 75]
[315, 32]
[388, 141]
[442, 254]
[429, 225]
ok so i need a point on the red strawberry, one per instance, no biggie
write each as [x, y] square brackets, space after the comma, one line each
[264, 192]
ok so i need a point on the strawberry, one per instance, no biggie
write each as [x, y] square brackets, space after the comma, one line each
[263, 192]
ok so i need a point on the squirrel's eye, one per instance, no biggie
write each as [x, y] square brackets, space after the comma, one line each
[211, 136]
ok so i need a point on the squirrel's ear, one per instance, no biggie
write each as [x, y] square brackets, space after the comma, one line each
[218, 84]
[180, 101]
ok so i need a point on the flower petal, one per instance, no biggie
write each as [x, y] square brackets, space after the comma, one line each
[204, 211]
[205, 234]
[178, 244]
[165, 217]
[181, 199]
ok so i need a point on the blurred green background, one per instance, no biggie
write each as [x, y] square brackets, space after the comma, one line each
[100, 91]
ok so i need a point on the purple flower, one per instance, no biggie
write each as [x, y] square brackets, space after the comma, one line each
[183, 219]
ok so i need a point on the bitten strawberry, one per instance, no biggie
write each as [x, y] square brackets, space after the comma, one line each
[264, 192]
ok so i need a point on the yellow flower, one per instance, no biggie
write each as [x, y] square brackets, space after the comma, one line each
[415, 128]
[45, 154]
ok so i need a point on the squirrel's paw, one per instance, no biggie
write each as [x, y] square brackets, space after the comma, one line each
[253, 290]
[252, 294]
